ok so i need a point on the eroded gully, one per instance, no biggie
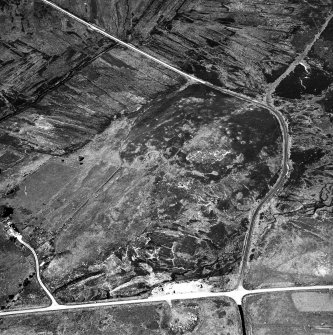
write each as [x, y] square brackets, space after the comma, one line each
[240, 292]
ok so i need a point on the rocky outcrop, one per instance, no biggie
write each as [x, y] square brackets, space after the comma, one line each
[166, 198]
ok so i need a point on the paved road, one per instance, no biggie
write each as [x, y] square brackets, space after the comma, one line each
[272, 192]
[238, 294]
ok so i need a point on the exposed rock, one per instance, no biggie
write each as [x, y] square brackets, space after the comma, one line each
[165, 198]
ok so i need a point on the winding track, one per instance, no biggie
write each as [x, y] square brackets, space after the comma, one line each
[273, 191]
[46, 290]
[239, 293]
[267, 105]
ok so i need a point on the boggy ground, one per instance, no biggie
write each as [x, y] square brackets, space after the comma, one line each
[293, 243]
[160, 198]
[243, 45]
[39, 49]
[62, 204]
